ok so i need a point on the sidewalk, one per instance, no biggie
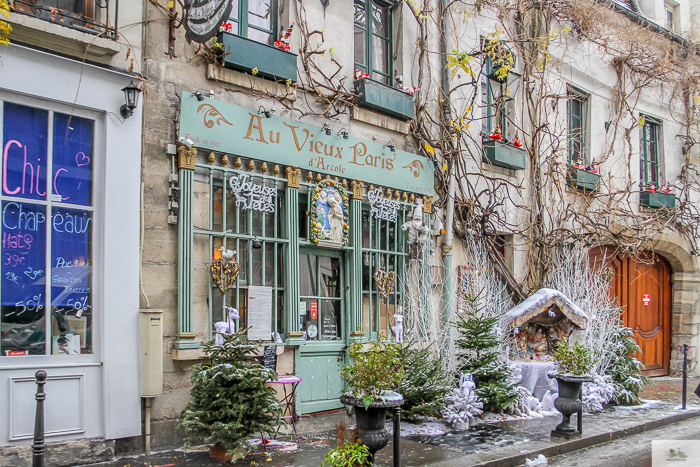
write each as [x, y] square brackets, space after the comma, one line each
[501, 444]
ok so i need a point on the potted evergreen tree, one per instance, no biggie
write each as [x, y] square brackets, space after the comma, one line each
[371, 379]
[229, 399]
[574, 363]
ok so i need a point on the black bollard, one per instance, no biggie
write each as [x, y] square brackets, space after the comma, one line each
[38, 446]
[684, 351]
[397, 437]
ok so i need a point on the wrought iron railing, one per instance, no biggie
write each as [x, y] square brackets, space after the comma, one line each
[97, 17]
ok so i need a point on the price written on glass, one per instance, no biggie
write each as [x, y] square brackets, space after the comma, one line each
[251, 195]
[382, 208]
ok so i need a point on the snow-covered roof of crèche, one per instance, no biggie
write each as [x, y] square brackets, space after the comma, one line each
[539, 302]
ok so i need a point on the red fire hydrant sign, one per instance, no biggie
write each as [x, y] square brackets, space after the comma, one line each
[646, 299]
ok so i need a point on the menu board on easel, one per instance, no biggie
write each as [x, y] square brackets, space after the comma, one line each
[259, 313]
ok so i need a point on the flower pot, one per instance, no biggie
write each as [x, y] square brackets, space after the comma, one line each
[371, 421]
[568, 403]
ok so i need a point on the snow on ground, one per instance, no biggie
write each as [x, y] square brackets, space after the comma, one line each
[497, 417]
[646, 403]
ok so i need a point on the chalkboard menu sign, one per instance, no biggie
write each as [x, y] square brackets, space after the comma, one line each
[270, 357]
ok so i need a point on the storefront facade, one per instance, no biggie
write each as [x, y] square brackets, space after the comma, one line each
[321, 224]
[69, 279]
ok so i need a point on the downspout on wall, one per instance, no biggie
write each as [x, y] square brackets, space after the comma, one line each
[449, 215]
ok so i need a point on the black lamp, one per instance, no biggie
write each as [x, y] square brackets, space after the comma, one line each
[391, 146]
[131, 95]
[257, 244]
[344, 133]
[327, 129]
[199, 96]
[263, 110]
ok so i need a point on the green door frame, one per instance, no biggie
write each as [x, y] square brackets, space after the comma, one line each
[328, 354]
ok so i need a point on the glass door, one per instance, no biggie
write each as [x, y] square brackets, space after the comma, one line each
[321, 295]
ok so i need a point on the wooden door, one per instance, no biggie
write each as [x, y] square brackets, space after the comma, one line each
[644, 293]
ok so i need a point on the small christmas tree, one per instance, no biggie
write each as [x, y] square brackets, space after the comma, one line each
[229, 400]
[481, 358]
[462, 405]
[424, 385]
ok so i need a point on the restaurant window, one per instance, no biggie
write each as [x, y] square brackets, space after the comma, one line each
[649, 152]
[47, 231]
[577, 111]
[383, 247]
[254, 19]
[257, 237]
[373, 48]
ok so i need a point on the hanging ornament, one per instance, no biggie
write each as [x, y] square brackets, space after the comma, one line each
[516, 141]
[385, 281]
[224, 271]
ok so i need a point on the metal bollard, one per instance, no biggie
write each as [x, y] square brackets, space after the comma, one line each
[684, 351]
[38, 446]
[397, 437]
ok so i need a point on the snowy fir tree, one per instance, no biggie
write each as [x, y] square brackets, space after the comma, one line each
[481, 358]
[462, 405]
[229, 400]
[625, 368]
[425, 383]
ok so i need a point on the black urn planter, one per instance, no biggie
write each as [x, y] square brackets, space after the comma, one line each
[371, 421]
[568, 403]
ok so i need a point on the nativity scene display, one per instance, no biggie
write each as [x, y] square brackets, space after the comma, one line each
[329, 214]
[540, 322]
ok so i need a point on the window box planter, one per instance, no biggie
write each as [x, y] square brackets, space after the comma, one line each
[384, 99]
[504, 155]
[656, 199]
[583, 180]
[245, 54]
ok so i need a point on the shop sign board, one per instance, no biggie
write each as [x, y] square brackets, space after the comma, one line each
[239, 131]
[251, 195]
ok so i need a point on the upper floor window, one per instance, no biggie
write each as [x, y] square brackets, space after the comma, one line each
[373, 49]
[577, 111]
[254, 19]
[649, 152]
[670, 18]
[91, 16]
[498, 100]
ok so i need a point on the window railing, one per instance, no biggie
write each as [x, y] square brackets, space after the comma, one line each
[97, 17]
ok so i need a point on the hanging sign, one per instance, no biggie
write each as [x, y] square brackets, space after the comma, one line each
[251, 195]
[382, 208]
[646, 299]
[314, 310]
[204, 17]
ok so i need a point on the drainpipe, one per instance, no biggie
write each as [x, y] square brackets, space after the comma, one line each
[450, 212]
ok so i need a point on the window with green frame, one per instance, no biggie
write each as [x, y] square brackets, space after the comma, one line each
[373, 48]
[255, 19]
[497, 102]
[577, 111]
[649, 152]
[237, 229]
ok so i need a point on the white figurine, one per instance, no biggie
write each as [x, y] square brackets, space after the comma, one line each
[226, 255]
[397, 329]
[226, 327]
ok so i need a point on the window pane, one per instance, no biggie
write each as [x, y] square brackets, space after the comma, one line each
[71, 282]
[260, 13]
[23, 279]
[380, 20]
[330, 320]
[380, 55]
[260, 36]
[25, 135]
[360, 46]
[269, 264]
[309, 320]
[359, 14]
[258, 267]
[234, 10]
[218, 214]
[365, 229]
[72, 158]
[330, 276]
[307, 275]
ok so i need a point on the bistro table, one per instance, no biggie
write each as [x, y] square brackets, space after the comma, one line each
[288, 401]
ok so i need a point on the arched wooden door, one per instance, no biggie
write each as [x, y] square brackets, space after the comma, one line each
[644, 293]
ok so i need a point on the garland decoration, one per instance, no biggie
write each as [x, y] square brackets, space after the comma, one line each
[385, 281]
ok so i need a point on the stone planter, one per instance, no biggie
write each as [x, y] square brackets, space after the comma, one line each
[568, 403]
[371, 421]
